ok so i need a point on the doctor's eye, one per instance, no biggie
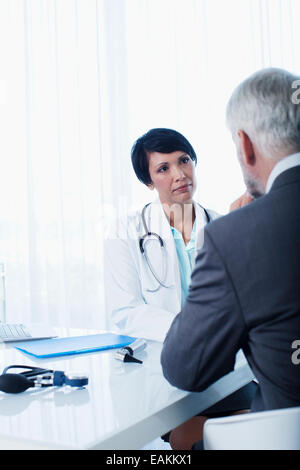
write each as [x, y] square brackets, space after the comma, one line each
[185, 159]
[162, 169]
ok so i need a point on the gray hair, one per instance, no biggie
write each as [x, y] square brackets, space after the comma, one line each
[265, 108]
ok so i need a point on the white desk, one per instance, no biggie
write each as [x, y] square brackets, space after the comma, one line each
[124, 406]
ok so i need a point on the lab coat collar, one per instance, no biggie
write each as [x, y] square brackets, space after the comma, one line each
[201, 221]
[157, 221]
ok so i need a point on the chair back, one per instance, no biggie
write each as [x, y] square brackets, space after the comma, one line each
[265, 430]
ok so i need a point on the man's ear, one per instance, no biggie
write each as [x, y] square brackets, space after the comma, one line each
[246, 148]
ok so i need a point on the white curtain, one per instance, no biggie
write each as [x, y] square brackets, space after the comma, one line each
[80, 80]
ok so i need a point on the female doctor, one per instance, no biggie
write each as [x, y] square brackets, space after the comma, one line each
[150, 254]
[147, 276]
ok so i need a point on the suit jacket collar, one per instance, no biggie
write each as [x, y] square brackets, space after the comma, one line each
[289, 176]
[290, 161]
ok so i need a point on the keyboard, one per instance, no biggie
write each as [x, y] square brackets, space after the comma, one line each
[12, 330]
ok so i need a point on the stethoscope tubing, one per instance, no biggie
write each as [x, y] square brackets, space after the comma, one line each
[142, 245]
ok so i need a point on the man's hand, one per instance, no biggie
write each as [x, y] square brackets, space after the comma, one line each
[243, 200]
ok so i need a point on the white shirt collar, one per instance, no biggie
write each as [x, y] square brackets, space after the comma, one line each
[284, 164]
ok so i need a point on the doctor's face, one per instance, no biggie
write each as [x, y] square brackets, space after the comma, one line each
[173, 176]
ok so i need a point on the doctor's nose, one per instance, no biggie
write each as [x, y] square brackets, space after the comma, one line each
[178, 174]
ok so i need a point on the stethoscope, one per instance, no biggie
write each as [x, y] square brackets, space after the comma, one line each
[38, 377]
[149, 236]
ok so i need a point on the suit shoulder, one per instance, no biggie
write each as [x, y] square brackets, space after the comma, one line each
[239, 221]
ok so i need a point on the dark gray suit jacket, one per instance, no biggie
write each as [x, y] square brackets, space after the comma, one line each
[245, 293]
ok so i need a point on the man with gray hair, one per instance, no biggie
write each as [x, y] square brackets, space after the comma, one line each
[245, 291]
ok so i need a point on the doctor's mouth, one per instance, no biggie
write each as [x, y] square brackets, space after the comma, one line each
[183, 188]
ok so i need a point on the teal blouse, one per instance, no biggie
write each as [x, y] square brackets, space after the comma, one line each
[186, 259]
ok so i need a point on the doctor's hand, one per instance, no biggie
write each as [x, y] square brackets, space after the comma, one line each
[243, 200]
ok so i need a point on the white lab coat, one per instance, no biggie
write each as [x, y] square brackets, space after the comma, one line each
[131, 309]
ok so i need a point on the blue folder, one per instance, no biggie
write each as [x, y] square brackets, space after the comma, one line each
[54, 347]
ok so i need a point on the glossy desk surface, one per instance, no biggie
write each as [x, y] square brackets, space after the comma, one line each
[124, 406]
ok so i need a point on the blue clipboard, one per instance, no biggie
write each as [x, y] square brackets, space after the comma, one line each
[55, 347]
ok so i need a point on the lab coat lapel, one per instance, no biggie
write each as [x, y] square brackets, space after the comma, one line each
[158, 223]
[201, 221]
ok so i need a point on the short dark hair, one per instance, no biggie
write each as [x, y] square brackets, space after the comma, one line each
[157, 140]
